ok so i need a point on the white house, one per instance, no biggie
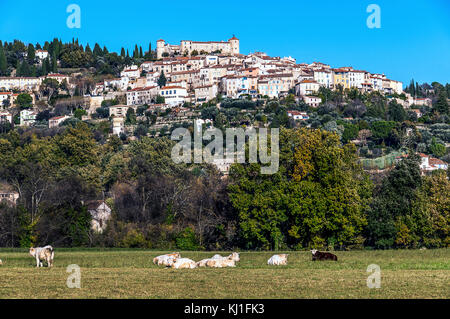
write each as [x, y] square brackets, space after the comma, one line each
[118, 126]
[141, 95]
[57, 120]
[131, 72]
[324, 77]
[27, 117]
[306, 87]
[5, 116]
[41, 54]
[173, 95]
[296, 115]
[205, 93]
[313, 101]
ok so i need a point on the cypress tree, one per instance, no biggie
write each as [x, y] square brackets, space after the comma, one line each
[3, 62]
[88, 49]
[44, 69]
[122, 52]
[31, 54]
[97, 50]
[141, 55]
[54, 64]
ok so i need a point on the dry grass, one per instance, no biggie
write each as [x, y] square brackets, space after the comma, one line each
[131, 274]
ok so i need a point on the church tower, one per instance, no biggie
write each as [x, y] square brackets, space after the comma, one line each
[234, 43]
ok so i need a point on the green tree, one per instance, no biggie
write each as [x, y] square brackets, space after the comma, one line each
[3, 62]
[396, 112]
[393, 202]
[436, 148]
[24, 101]
[441, 104]
[162, 80]
[130, 117]
[31, 54]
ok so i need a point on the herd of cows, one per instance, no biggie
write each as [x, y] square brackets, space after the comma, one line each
[174, 260]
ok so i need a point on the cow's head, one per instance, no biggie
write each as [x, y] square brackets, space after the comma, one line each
[313, 251]
[33, 251]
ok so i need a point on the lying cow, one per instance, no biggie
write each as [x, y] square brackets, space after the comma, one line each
[317, 255]
[46, 253]
[234, 257]
[180, 263]
[277, 260]
[165, 259]
[221, 263]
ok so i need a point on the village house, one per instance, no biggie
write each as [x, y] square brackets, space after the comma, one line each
[313, 101]
[141, 95]
[306, 87]
[429, 163]
[5, 117]
[205, 93]
[57, 120]
[275, 84]
[27, 117]
[296, 115]
[58, 77]
[20, 83]
[8, 195]
[173, 95]
[118, 110]
[118, 125]
[41, 54]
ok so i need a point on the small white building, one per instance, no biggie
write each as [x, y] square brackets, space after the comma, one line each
[57, 120]
[41, 54]
[173, 95]
[313, 101]
[27, 117]
[5, 116]
[118, 125]
[306, 87]
[296, 115]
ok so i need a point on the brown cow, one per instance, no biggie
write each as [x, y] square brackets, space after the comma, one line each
[317, 255]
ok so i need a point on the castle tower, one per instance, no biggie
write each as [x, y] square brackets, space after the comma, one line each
[234, 43]
[160, 48]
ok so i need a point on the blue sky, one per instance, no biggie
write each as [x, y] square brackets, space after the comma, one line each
[413, 41]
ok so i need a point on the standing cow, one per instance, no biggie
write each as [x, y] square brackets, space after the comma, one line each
[46, 253]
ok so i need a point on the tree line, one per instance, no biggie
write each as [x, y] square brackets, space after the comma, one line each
[320, 197]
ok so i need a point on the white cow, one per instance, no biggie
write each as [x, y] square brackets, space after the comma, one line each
[46, 253]
[165, 259]
[234, 256]
[180, 263]
[220, 263]
[277, 260]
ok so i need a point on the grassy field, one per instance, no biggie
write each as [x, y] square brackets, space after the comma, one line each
[131, 274]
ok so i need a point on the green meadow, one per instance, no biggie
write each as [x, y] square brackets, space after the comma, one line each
[115, 273]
